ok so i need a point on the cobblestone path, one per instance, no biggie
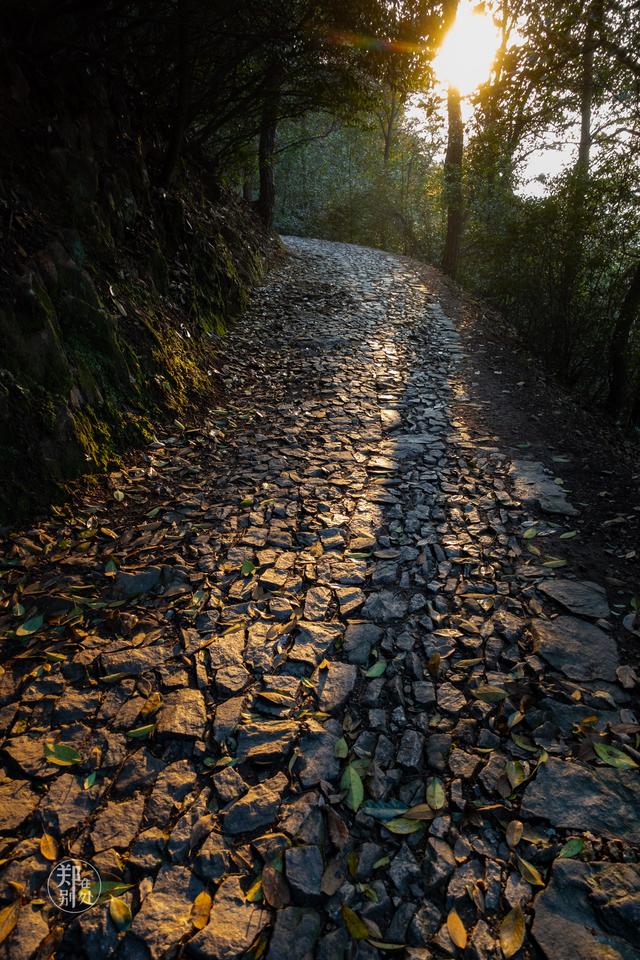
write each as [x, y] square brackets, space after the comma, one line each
[313, 681]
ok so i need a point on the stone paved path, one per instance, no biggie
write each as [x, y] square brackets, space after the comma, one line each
[310, 682]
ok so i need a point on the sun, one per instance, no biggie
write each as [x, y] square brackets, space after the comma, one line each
[467, 53]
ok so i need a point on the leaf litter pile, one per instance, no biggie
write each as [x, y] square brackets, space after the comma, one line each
[310, 680]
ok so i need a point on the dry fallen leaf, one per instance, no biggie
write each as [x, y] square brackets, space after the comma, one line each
[200, 910]
[457, 930]
[512, 931]
[514, 833]
[48, 847]
[120, 913]
[8, 919]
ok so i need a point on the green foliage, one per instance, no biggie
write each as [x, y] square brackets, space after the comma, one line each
[335, 184]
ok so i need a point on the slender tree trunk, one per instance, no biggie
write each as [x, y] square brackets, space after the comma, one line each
[620, 399]
[453, 184]
[266, 147]
[577, 213]
[453, 163]
[247, 184]
[388, 127]
[586, 102]
[180, 123]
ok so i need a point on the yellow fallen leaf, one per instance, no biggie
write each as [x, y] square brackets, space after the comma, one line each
[120, 913]
[200, 910]
[512, 931]
[8, 919]
[456, 929]
[48, 847]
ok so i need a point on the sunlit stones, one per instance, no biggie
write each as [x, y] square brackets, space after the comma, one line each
[466, 56]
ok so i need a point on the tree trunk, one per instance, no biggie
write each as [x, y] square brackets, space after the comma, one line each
[453, 184]
[388, 130]
[266, 149]
[247, 184]
[620, 387]
[577, 212]
[179, 125]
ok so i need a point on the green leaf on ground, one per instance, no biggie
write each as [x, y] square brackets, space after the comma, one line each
[614, 757]
[489, 694]
[352, 783]
[30, 626]
[436, 797]
[144, 731]
[377, 669]
[60, 754]
[516, 773]
[357, 928]
[403, 826]
[341, 748]
[571, 848]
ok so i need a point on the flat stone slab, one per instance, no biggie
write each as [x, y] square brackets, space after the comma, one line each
[268, 740]
[118, 824]
[257, 808]
[589, 911]
[532, 484]
[233, 925]
[582, 597]
[227, 651]
[295, 934]
[259, 651]
[312, 642]
[29, 932]
[183, 714]
[165, 915]
[68, 804]
[317, 759]
[316, 603]
[576, 797]
[358, 640]
[28, 754]
[577, 648]
[334, 685]
[137, 660]
[450, 699]
[385, 607]
[17, 803]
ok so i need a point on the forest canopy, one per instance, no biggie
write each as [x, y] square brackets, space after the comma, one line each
[332, 119]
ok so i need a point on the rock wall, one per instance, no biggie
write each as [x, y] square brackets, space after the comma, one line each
[111, 292]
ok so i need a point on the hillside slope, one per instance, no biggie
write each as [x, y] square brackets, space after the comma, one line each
[111, 290]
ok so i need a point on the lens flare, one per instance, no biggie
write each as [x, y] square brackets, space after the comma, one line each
[466, 56]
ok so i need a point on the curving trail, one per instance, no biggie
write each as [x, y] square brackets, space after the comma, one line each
[330, 694]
